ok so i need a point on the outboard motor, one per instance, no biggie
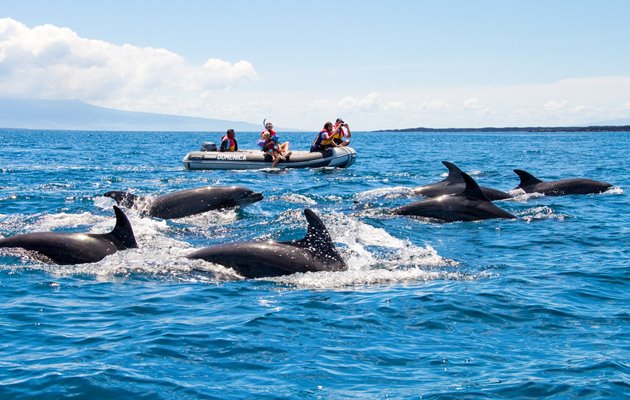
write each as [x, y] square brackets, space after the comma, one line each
[208, 146]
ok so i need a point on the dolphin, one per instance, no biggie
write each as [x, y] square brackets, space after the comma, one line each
[258, 259]
[469, 205]
[188, 202]
[76, 248]
[530, 184]
[454, 183]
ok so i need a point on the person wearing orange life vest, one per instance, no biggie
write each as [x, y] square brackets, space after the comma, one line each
[282, 147]
[228, 142]
[269, 146]
[341, 133]
[324, 138]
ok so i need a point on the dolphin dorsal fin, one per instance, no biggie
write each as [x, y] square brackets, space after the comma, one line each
[526, 178]
[122, 232]
[454, 173]
[472, 190]
[318, 239]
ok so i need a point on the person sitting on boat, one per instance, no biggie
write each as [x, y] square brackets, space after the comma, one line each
[283, 147]
[341, 133]
[272, 148]
[228, 142]
[325, 138]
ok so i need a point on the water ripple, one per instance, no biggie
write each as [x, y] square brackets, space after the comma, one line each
[532, 308]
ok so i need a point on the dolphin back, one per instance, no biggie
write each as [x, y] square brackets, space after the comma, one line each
[76, 248]
[472, 190]
[560, 187]
[189, 202]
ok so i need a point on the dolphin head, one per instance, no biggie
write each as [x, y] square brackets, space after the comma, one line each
[247, 197]
[123, 199]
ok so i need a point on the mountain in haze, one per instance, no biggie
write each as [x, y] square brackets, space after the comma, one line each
[613, 122]
[76, 115]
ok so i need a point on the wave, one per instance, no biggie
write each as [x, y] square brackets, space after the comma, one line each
[373, 256]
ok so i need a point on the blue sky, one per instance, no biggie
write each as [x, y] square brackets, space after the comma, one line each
[378, 64]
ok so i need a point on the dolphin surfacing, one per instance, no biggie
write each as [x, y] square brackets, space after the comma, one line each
[469, 205]
[315, 252]
[530, 184]
[454, 183]
[76, 248]
[188, 202]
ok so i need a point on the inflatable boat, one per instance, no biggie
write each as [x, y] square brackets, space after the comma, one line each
[209, 158]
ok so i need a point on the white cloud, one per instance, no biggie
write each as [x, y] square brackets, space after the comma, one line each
[395, 106]
[370, 102]
[579, 109]
[554, 105]
[562, 103]
[434, 104]
[52, 62]
[472, 103]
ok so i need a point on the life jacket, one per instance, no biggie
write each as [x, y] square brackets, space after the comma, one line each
[272, 135]
[339, 134]
[318, 144]
[268, 145]
[326, 142]
[228, 144]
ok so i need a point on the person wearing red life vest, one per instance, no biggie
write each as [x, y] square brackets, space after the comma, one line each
[228, 142]
[269, 146]
[282, 147]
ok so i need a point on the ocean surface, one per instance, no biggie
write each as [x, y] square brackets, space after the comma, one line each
[537, 307]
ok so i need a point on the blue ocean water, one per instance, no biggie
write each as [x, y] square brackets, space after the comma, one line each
[530, 308]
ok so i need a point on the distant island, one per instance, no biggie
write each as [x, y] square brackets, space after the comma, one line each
[615, 128]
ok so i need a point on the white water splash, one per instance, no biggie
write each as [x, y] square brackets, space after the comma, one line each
[540, 213]
[351, 278]
[373, 256]
[388, 193]
[104, 203]
[296, 199]
[520, 196]
[211, 218]
[614, 190]
[51, 222]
